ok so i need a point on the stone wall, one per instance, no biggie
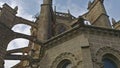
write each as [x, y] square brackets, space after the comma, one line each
[102, 44]
[74, 49]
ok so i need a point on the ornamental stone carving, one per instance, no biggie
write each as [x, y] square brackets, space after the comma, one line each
[104, 51]
[69, 56]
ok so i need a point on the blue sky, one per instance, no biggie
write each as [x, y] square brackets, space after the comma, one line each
[28, 8]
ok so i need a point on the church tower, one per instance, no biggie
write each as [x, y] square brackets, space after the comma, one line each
[60, 40]
[45, 21]
[97, 14]
[85, 46]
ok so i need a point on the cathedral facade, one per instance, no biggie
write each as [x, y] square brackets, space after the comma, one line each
[60, 40]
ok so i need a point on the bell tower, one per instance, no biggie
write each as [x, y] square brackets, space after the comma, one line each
[97, 14]
[45, 21]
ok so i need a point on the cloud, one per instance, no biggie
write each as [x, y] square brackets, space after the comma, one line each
[28, 8]
[18, 43]
[74, 8]
[21, 11]
[1, 3]
[112, 8]
[21, 28]
[10, 63]
[25, 11]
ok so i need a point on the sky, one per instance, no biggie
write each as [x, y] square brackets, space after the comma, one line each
[29, 8]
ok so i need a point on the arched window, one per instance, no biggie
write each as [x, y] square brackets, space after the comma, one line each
[110, 61]
[65, 64]
[60, 28]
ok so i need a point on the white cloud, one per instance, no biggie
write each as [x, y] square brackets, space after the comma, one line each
[14, 44]
[10, 63]
[17, 43]
[74, 8]
[21, 28]
[21, 11]
[1, 3]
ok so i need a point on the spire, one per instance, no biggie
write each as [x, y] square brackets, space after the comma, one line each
[47, 1]
[45, 21]
[98, 18]
[102, 1]
[99, 0]
[16, 8]
[113, 21]
[68, 11]
[89, 4]
[54, 8]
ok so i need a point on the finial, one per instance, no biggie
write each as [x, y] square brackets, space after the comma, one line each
[68, 11]
[54, 8]
[102, 1]
[16, 8]
[0, 8]
[89, 4]
[113, 21]
[47, 1]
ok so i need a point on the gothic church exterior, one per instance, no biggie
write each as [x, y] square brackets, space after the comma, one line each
[60, 40]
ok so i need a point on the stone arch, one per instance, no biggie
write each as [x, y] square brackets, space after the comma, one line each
[106, 51]
[111, 60]
[19, 20]
[31, 38]
[16, 48]
[64, 63]
[22, 28]
[65, 56]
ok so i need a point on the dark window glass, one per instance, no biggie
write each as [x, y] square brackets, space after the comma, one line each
[61, 29]
[65, 64]
[109, 63]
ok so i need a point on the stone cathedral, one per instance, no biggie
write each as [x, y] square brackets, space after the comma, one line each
[60, 40]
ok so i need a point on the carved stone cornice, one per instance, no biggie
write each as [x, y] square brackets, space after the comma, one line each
[107, 49]
[78, 30]
[86, 29]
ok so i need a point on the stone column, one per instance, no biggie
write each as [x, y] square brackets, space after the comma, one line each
[2, 53]
[45, 21]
